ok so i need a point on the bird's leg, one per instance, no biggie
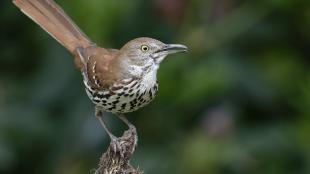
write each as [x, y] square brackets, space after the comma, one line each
[132, 129]
[115, 144]
[127, 122]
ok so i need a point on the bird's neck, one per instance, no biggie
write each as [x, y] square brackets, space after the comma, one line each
[149, 79]
[146, 73]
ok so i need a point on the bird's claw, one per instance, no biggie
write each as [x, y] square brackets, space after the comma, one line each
[133, 130]
[116, 146]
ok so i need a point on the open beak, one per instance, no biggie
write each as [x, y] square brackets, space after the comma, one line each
[171, 49]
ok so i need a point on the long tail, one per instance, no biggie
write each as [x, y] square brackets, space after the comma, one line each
[56, 22]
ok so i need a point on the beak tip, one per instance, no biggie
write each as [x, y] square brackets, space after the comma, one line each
[185, 48]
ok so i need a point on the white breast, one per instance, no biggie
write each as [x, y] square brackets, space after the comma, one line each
[149, 79]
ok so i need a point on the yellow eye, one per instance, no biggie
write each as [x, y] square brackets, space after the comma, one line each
[144, 48]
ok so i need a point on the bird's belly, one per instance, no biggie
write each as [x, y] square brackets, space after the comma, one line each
[123, 99]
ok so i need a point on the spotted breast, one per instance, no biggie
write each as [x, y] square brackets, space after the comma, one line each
[123, 97]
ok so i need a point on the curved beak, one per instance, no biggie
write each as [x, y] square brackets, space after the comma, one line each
[171, 49]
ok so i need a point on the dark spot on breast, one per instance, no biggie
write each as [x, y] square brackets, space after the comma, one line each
[131, 107]
[137, 95]
[140, 96]
[134, 100]
[90, 91]
[96, 94]
[150, 93]
[96, 101]
[133, 103]
[115, 102]
[121, 93]
[123, 105]
[108, 95]
[130, 90]
[126, 95]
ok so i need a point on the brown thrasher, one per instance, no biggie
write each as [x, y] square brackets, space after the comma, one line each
[117, 81]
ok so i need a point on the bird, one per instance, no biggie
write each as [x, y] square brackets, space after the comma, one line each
[118, 81]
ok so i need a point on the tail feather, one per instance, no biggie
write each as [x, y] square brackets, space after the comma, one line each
[56, 22]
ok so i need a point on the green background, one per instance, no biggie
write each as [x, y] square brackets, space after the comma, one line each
[237, 102]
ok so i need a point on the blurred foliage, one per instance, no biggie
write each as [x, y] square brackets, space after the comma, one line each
[238, 102]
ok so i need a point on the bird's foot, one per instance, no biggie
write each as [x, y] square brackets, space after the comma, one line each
[132, 129]
[116, 145]
[131, 133]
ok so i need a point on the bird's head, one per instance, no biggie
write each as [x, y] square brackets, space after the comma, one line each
[148, 53]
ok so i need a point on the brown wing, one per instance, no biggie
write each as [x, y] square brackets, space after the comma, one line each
[101, 70]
